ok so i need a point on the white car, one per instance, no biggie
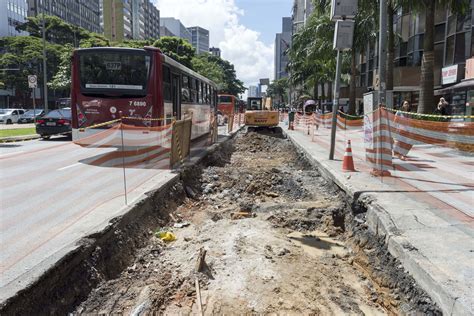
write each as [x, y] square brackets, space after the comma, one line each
[10, 116]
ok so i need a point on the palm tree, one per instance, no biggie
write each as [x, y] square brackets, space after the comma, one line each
[426, 102]
[278, 88]
[365, 31]
[311, 57]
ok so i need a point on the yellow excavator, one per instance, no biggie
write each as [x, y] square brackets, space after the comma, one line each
[259, 113]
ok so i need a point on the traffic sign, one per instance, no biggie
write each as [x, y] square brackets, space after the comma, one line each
[343, 9]
[343, 34]
[32, 81]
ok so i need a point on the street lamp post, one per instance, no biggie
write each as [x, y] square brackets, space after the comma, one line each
[45, 77]
[382, 51]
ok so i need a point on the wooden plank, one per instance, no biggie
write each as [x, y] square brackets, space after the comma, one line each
[198, 296]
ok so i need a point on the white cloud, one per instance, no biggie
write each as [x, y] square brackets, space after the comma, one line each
[240, 45]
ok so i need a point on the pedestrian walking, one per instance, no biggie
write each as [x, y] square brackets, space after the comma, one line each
[401, 147]
[443, 107]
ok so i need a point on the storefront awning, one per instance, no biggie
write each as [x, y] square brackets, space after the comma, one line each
[463, 85]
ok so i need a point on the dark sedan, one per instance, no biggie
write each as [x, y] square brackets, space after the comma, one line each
[56, 122]
[29, 116]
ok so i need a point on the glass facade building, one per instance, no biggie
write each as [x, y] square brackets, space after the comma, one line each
[13, 13]
[199, 39]
[83, 13]
[453, 46]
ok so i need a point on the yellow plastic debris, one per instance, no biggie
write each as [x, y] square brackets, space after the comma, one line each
[166, 236]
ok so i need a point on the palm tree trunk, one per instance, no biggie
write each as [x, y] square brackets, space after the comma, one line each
[330, 91]
[391, 47]
[323, 93]
[352, 86]
[315, 89]
[427, 104]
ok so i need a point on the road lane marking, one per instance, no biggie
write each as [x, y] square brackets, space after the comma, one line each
[9, 154]
[70, 166]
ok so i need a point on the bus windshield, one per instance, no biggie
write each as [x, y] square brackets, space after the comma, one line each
[225, 99]
[123, 72]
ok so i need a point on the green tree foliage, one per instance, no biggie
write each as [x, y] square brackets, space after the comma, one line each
[311, 57]
[177, 48]
[62, 78]
[278, 90]
[220, 71]
[25, 53]
[208, 69]
[94, 40]
[60, 32]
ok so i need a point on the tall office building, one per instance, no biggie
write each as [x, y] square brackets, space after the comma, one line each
[301, 12]
[152, 21]
[174, 27]
[215, 51]
[130, 19]
[12, 13]
[199, 39]
[282, 44]
[253, 91]
[83, 13]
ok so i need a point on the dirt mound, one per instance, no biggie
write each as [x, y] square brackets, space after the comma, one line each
[278, 239]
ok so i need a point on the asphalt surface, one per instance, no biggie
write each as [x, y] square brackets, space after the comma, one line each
[52, 196]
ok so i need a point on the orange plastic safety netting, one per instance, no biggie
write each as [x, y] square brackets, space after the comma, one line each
[386, 134]
[134, 145]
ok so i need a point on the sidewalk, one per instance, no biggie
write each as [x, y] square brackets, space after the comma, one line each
[424, 210]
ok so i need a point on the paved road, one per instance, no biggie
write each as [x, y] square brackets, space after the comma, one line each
[52, 195]
[54, 192]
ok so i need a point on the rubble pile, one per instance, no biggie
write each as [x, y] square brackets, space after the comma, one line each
[262, 232]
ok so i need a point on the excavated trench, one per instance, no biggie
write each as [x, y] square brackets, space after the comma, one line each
[278, 237]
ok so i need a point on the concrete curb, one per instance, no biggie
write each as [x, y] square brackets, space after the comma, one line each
[19, 138]
[382, 224]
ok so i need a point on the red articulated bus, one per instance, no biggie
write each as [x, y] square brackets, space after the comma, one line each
[227, 104]
[139, 83]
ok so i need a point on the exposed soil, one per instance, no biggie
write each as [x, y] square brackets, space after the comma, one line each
[278, 238]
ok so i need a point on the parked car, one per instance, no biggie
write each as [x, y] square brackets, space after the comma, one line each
[10, 116]
[30, 116]
[56, 122]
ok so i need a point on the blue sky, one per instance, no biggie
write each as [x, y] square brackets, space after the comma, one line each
[244, 30]
[265, 16]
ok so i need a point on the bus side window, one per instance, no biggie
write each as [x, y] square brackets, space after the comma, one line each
[185, 95]
[166, 83]
[192, 88]
[200, 92]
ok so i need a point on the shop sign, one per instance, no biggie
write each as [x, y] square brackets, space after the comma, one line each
[469, 69]
[449, 74]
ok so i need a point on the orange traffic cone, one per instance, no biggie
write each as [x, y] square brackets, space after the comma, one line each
[348, 162]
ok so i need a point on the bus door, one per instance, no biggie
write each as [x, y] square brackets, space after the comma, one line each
[176, 90]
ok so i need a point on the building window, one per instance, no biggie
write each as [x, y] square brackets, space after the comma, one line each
[439, 32]
[460, 50]
[449, 50]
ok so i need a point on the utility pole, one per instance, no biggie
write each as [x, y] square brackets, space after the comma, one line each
[343, 13]
[335, 104]
[45, 77]
[382, 53]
